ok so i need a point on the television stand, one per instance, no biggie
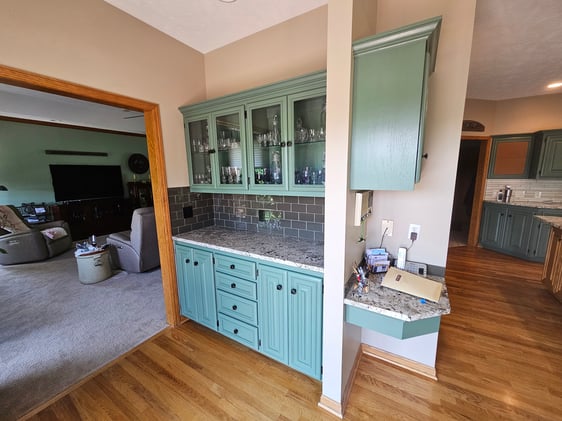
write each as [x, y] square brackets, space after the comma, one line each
[95, 216]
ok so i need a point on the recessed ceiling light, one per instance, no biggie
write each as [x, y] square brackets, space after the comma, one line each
[554, 85]
[227, 1]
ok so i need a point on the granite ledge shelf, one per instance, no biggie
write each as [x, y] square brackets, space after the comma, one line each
[396, 304]
[288, 251]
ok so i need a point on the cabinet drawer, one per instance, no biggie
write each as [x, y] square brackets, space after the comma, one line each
[239, 331]
[237, 307]
[237, 286]
[234, 266]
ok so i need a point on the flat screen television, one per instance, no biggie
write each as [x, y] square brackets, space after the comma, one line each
[81, 182]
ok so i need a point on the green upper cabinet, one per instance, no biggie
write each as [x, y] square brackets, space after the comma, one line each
[547, 155]
[268, 140]
[216, 150]
[390, 77]
[511, 156]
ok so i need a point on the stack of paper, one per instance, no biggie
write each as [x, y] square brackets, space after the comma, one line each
[407, 282]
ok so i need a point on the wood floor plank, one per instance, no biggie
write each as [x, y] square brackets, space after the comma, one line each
[499, 358]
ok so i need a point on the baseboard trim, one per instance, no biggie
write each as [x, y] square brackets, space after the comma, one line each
[416, 367]
[331, 406]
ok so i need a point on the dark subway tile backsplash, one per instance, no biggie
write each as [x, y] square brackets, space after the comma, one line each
[289, 216]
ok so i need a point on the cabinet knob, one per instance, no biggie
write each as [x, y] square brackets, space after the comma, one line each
[187, 260]
[236, 331]
[232, 267]
[293, 291]
[233, 285]
[279, 287]
[283, 144]
[195, 263]
[234, 307]
[289, 143]
[212, 151]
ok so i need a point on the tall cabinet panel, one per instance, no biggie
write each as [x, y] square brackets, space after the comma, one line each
[198, 146]
[196, 285]
[231, 149]
[307, 142]
[305, 313]
[389, 102]
[272, 292]
[267, 122]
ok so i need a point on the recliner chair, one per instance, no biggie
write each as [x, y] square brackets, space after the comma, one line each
[23, 243]
[136, 250]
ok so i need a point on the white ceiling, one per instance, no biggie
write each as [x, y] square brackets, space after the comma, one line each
[206, 25]
[517, 50]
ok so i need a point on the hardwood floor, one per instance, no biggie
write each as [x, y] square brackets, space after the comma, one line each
[499, 357]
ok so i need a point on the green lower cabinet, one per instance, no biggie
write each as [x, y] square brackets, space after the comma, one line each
[515, 230]
[278, 314]
[290, 314]
[196, 284]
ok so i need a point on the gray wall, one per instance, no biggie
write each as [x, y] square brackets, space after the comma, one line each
[24, 166]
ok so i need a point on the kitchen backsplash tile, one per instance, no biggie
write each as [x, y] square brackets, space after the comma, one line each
[292, 216]
[202, 203]
[525, 189]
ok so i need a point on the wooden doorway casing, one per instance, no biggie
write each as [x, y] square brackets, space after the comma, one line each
[480, 186]
[155, 146]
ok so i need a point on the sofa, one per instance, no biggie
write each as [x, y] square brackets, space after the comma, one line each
[24, 243]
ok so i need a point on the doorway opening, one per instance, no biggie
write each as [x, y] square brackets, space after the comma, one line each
[469, 191]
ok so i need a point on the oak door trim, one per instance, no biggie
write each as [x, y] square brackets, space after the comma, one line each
[30, 80]
[479, 186]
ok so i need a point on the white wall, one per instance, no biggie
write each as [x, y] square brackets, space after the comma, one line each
[94, 44]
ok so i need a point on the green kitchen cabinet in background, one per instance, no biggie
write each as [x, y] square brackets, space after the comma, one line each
[547, 155]
[510, 156]
[515, 230]
[390, 80]
[196, 285]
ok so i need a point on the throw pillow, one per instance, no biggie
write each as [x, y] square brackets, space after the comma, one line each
[54, 233]
[10, 220]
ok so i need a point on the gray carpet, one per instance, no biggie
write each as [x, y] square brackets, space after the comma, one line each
[55, 331]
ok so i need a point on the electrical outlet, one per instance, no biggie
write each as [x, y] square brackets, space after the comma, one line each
[386, 227]
[414, 232]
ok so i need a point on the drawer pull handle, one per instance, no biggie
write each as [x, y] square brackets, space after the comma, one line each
[279, 287]
[233, 285]
[236, 331]
[293, 291]
[232, 267]
[195, 263]
[187, 260]
[234, 307]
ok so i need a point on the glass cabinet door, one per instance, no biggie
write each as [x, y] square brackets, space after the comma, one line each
[307, 125]
[198, 143]
[231, 149]
[267, 122]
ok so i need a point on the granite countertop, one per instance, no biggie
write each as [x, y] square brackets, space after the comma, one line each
[545, 204]
[285, 250]
[555, 221]
[398, 305]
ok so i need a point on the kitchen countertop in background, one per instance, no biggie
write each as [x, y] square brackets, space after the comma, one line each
[547, 204]
[285, 250]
